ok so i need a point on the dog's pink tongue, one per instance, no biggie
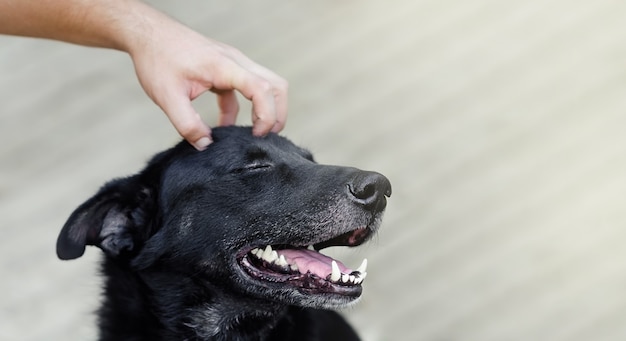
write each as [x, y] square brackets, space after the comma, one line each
[312, 261]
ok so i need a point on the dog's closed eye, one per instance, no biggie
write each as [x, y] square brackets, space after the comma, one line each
[258, 166]
[253, 166]
[256, 159]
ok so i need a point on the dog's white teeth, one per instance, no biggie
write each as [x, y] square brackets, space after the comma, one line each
[281, 261]
[257, 252]
[310, 247]
[356, 277]
[268, 250]
[269, 255]
[336, 273]
[273, 256]
[363, 266]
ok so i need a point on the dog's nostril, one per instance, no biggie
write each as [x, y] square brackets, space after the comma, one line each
[367, 192]
[369, 189]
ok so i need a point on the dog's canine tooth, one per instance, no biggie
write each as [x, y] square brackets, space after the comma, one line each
[336, 273]
[363, 266]
[363, 275]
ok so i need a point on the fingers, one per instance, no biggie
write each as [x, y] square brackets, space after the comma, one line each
[280, 100]
[266, 90]
[270, 121]
[187, 121]
[229, 107]
[176, 74]
[269, 100]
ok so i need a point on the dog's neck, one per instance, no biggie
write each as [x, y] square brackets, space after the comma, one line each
[228, 318]
[161, 311]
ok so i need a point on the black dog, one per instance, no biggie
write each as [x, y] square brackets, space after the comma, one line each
[221, 244]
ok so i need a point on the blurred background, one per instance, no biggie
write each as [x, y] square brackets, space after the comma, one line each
[501, 124]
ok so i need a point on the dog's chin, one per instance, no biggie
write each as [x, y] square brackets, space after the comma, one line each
[300, 275]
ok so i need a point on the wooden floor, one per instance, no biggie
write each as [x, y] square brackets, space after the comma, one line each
[501, 124]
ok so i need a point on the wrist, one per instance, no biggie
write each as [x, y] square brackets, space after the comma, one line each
[145, 30]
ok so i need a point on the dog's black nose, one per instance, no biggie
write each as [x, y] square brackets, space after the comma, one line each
[370, 189]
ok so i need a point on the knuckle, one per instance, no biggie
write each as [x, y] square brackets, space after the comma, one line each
[264, 86]
[282, 86]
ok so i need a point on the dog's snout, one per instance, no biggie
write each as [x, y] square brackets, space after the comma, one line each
[370, 189]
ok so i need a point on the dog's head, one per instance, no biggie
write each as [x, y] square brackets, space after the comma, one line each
[247, 214]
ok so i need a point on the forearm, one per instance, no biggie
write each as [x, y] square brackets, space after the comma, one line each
[117, 24]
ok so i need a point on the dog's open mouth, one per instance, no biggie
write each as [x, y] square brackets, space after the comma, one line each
[307, 269]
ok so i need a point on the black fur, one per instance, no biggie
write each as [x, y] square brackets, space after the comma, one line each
[177, 239]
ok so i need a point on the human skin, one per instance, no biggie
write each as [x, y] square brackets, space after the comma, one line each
[174, 64]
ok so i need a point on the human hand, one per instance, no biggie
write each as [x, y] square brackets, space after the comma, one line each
[176, 64]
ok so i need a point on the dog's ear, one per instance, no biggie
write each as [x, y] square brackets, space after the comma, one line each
[115, 220]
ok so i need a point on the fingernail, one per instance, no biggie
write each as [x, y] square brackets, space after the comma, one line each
[202, 143]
